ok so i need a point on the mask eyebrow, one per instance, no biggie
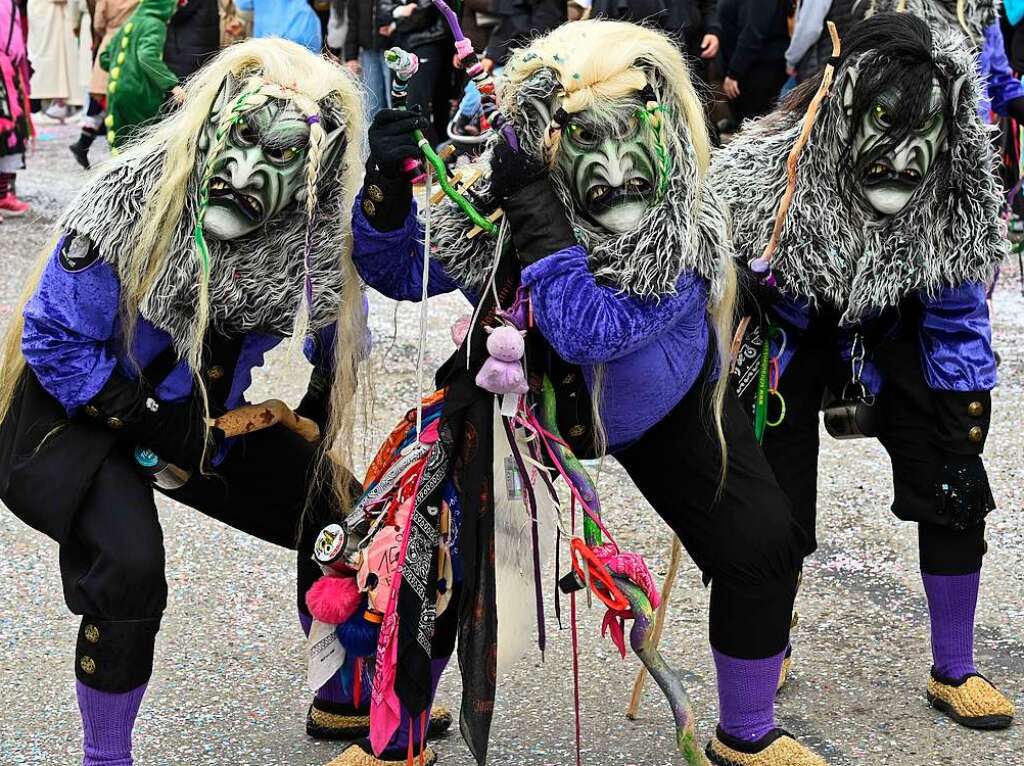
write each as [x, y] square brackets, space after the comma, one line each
[278, 127]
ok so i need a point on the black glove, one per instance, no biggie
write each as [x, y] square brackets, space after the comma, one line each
[392, 140]
[1015, 109]
[387, 189]
[512, 171]
[535, 214]
[965, 497]
[176, 432]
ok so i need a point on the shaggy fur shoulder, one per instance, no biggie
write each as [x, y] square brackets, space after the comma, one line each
[832, 248]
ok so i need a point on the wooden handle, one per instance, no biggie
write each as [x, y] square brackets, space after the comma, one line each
[798, 148]
[256, 417]
[675, 559]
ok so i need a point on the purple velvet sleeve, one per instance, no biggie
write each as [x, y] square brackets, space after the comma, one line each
[391, 262]
[1001, 87]
[956, 340]
[70, 324]
[588, 323]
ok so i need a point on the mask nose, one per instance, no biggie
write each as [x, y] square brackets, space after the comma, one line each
[903, 157]
[615, 168]
[242, 169]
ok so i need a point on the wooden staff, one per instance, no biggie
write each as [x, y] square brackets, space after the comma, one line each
[675, 559]
[794, 154]
[256, 417]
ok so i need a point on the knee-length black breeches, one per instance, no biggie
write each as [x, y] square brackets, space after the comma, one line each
[112, 562]
[740, 531]
[905, 418]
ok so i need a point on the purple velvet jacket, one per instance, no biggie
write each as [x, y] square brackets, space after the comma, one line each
[73, 341]
[652, 351]
[1001, 86]
[955, 338]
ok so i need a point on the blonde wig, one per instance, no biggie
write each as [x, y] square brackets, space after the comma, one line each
[144, 215]
[598, 67]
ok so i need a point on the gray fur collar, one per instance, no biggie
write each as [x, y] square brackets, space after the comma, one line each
[256, 283]
[831, 249]
[941, 15]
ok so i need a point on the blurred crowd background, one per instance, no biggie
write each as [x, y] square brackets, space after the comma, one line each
[744, 53]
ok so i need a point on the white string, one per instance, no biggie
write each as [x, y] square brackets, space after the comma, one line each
[491, 286]
[425, 278]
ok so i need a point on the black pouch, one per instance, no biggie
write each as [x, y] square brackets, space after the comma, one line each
[852, 417]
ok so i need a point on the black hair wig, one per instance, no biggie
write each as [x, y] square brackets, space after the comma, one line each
[899, 49]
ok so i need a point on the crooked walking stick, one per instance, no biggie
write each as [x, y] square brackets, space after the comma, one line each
[763, 264]
[621, 581]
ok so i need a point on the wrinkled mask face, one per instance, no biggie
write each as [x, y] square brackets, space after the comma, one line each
[890, 172]
[610, 168]
[259, 172]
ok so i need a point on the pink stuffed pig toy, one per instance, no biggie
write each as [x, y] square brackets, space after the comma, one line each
[502, 373]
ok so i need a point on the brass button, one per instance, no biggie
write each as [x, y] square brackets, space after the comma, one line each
[577, 430]
[88, 664]
[975, 435]
[569, 379]
[374, 192]
[369, 208]
[975, 409]
[92, 634]
[115, 422]
[91, 411]
[215, 373]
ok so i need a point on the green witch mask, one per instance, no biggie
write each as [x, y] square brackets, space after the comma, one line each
[609, 167]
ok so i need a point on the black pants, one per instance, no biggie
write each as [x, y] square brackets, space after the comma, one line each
[741, 533]
[431, 88]
[112, 564]
[905, 415]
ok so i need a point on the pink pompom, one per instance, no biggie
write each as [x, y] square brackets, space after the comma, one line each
[460, 329]
[333, 599]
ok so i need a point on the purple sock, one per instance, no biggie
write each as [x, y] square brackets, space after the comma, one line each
[107, 723]
[951, 603]
[746, 694]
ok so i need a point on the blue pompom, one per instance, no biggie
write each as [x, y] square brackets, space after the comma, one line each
[358, 635]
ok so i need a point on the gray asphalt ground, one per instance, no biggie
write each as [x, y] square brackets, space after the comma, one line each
[227, 685]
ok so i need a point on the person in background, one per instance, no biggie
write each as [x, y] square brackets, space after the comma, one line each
[419, 28]
[193, 36]
[337, 28]
[108, 17]
[517, 22]
[53, 51]
[234, 26]
[478, 21]
[367, 39]
[293, 20]
[754, 42]
[579, 10]
[322, 9]
[15, 120]
[140, 81]
[811, 46]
